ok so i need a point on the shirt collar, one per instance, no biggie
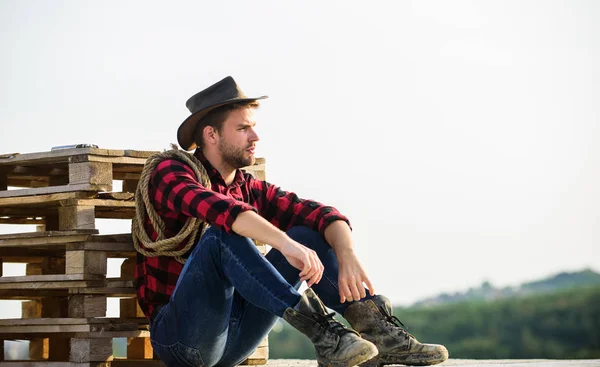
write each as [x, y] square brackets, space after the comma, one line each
[215, 176]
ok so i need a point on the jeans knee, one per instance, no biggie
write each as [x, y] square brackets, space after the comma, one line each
[213, 238]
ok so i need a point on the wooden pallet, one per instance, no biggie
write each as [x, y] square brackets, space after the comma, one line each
[65, 288]
[77, 169]
[68, 170]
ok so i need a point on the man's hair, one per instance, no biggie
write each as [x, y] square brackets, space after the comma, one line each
[216, 117]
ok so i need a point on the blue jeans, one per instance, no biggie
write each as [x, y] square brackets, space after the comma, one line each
[228, 297]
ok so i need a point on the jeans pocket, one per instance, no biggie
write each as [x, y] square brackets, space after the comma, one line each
[178, 355]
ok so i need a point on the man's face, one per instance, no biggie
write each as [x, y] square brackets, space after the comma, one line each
[237, 138]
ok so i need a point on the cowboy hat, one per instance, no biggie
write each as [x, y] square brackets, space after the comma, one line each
[219, 94]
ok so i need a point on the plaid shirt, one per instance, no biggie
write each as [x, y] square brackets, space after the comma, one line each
[177, 195]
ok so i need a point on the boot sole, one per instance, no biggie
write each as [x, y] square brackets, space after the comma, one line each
[414, 359]
[363, 356]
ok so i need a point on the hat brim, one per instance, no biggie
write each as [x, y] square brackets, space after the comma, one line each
[187, 129]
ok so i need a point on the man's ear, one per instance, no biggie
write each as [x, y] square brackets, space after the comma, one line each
[210, 135]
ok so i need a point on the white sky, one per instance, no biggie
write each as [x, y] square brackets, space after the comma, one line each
[459, 137]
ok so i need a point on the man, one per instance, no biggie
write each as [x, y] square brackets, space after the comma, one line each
[216, 309]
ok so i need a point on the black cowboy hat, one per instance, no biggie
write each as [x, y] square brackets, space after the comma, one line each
[219, 94]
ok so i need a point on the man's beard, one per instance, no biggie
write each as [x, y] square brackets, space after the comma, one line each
[234, 156]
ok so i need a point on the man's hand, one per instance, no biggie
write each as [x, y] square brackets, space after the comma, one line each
[250, 224]
[303, 259]
[352, 278]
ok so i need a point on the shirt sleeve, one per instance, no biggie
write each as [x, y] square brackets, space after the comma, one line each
[285, 209]
[176, 189]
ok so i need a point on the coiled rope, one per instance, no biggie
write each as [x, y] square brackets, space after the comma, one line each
[143, 205]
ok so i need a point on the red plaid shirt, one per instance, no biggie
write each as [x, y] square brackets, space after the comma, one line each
[177, 195]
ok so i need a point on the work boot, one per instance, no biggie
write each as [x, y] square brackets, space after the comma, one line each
[335, 344]
[374, 321]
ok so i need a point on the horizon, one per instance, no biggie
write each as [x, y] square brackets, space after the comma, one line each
[459, 138]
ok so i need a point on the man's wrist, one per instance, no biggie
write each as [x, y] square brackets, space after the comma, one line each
[344, 253]
[281, 238]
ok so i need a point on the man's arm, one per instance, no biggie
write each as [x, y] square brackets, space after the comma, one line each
[351, 276]
[285, 209]
[250, 224]
[177, 190]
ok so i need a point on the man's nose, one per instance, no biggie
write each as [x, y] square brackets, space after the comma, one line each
[254, 136]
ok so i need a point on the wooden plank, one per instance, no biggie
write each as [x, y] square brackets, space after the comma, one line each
[29, 255]
[54, 189]
[259, 357]
[139, 348]
[118, 334]
[86, 262]
[114, 160]
[129, 307]
[113, 291]
[47, 278]
[46, 197]
[38, 347]
[47, 238]
[128, 268]
[28, 294]
[21, 220]
[62, 364]
[88, 350]
[43, 157]
[112, 238]
[130, 185]
[109, 203]
[58, 180]
[46, 330]
[59, 348]
[51, 221]
[91, 173]
[3, 181]
[123, 248]
[257, 171]
[113, 322]
[76, 217]
[63, 155]
[31, 309]
[142, 332]
[87, 306]
[22, 182]
[139, 153]
[137, 363]
[41, 171]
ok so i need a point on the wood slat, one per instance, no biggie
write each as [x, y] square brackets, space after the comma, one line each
[73, 321]
[54, 190]
[44, 199]
[47, 238]
[62, 155]
[105, 159]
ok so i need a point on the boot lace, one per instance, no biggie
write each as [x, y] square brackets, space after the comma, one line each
[394, 321]
[330, 322]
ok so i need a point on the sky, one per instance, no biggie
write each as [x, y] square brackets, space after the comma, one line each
[460, 138]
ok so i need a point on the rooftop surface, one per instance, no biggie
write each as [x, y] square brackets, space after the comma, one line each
[465, 362]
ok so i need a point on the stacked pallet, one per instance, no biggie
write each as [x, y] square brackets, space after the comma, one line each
[65, 289]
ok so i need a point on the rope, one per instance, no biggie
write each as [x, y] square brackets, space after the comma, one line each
[143, 205]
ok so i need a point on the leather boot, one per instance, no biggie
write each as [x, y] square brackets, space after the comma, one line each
[335, 344]
[374, 321]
